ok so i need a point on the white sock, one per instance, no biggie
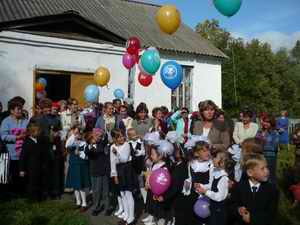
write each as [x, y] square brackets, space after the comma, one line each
[144, 194]
[125, 206]
[130, 203]
[120, 206]
[83, 198]
[77, 197]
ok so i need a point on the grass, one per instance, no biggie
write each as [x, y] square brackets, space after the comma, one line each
[22, 212]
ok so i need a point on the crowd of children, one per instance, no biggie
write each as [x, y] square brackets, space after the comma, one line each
[104, 152]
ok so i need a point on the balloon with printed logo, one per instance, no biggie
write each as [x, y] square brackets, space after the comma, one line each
[133, 45]
[145, 80]
[128, 60]
[91, 93]
[150, 61]
[43, 81]
[171, 74]
[228, 7]
[159, 181]
[102, 76]
[168, 19]
[39, 87]
[119, 93]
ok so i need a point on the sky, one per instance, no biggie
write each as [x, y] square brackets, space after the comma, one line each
[274, 21]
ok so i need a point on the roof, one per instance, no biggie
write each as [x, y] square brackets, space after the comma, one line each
[124, 18]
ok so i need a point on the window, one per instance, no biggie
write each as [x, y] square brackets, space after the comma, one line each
[182, 96]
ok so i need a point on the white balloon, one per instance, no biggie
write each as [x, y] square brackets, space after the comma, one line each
[152, 138]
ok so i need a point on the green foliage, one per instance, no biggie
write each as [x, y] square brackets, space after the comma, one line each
[254, 76]
[22, 212]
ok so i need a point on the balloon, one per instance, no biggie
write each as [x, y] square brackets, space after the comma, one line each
[39, 87]
[160, 181]
[150, 61]
[168, 19]
[171, 74]
[43, 81]
[142, 70]
[172, 136]
[136, 58]
[145, 80]
[228, 7]
[102, 76]
[119, 93]
[165, 147]
[201, 208]
[152, 138]
[128, 60]
[133, 45]
[91, 93]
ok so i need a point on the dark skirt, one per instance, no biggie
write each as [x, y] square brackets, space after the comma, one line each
[127, 177]
[160, 210]
[78, 176]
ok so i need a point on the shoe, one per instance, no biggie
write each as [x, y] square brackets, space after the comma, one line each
[147, 219]
[83, 209]
[95, 213]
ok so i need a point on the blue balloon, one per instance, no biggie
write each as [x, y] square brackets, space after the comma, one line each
[228, 7]
[171, 74]
[42, 81]
[150, 61]
[91, 93]
[119, 93]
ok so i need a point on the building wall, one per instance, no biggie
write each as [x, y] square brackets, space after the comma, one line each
[21, 54]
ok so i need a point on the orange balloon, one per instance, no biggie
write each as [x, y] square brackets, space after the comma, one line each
[168, 19]
[39, 87]
[102, 76]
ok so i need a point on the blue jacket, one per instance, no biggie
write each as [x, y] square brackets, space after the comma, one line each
[7, 125]
[271, 141]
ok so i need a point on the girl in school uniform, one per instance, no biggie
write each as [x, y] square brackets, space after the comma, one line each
[218, 190]
[78, 176]
[159, 210]
[123, 175]
[199, 169]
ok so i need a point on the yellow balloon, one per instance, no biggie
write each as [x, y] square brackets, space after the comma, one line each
[102, 76]
[168, 19]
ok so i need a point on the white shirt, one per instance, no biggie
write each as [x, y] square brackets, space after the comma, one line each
[127, 122]
[222, 193]
[241, 133]
[203, 166]
[121, 156]
[205, 131]
[254, 185]
[138, 152]
[34, 139]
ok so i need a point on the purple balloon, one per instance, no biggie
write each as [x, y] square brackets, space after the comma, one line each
[128, 60]
[201, 208]
[160, 181]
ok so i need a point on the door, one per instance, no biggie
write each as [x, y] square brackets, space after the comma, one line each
[78, 83]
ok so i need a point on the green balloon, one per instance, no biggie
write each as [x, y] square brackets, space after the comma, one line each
[228, 7]
[150, 61]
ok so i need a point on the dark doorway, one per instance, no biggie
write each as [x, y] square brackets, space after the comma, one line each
[58, 85]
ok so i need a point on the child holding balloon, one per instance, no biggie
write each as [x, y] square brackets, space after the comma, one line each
[123, 175]
[199, 170]
[218, 191]
[159, 210]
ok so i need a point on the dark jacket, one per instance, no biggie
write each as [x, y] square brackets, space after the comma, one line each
[262, 206]
[99, 158]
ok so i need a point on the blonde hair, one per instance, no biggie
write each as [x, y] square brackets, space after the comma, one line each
[252, 160]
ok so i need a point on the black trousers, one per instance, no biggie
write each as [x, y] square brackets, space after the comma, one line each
[17, 184]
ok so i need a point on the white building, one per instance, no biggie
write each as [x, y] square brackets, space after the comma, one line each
[65, 41]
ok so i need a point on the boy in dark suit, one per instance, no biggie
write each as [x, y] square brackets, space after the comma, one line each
[254, 200]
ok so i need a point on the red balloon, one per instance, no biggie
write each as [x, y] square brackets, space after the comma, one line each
[145, 80]
[136, 58]
[133, 45]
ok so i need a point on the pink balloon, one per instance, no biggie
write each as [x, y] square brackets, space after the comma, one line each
[160, 181]
[128, 60]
